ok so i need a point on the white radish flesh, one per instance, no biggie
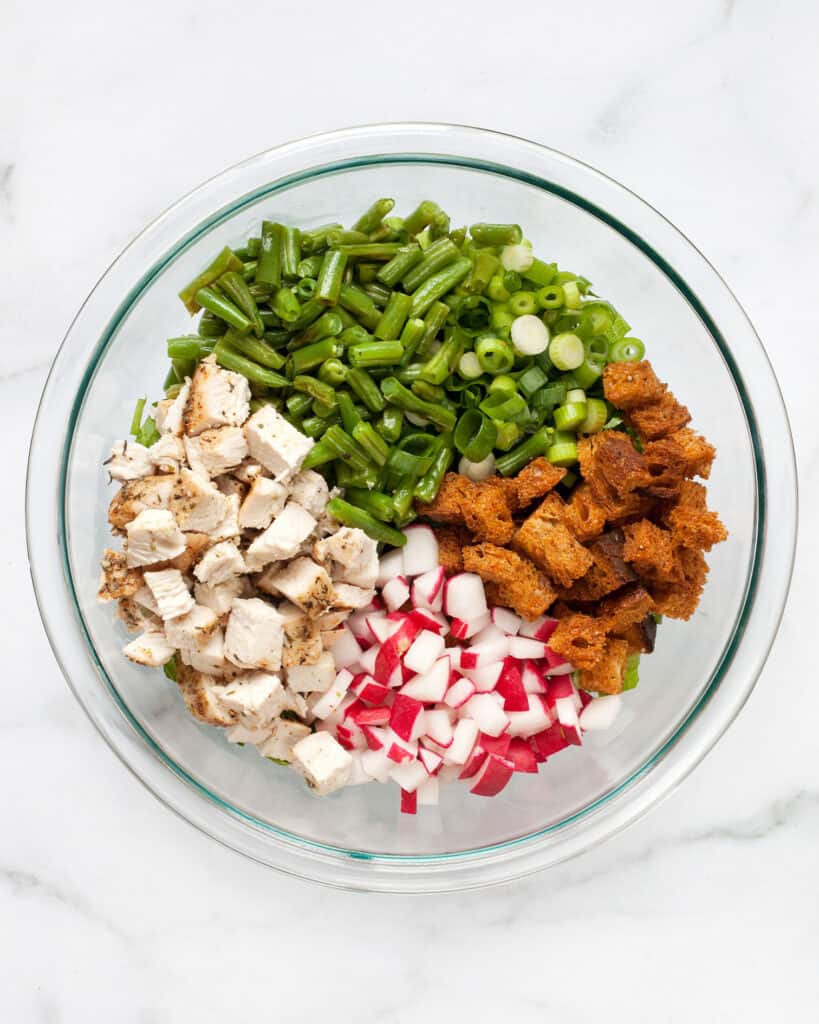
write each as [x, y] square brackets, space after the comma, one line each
[420, 553]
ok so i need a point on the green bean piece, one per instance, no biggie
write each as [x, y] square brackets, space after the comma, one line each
[306, 288]
[347, 410]
[249, 270]
[390, 424]
[319, 455]
[309, 266]
[483, 269]
[356, 301]
[366, 273]
[438, 285]
[311, 356]
[355, 336]
[378, 293]
[269, 269]
[136, 419]
[291, 252]
[362, 385]
[422, 215]
[443, 363]
[540, 273]
[345, 448]
[331, 277]
[315, 388]
[496, 234]
[228, 357]
[431, 393]
[439, 255]
[298, 404]
[328, 325]
[396, 394]
[366, 436]
[434, 321]
[188, 347]
[371, 218]
[211, 326]
[375, 353]
[430, 483]
[370, 250]
[376, 503]
[236, 289]
[343, 237]
[286, 305]
[315, 426]
[357, 518]
[411, 337]
[402, 498]
[532, 448]
[394, 317]
[333, 372]
[255, 349]
[402, 263]
[222, 307]
[226, 260]
[315, 240]
[495, 355]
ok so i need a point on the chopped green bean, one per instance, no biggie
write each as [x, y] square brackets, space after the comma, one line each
[496, 234]
[362, 384]
[370, 219]
[375, 353]
[438, 285]
[357, 518]
[223, 308]
[231, 359]
[396, 394]
[269, 268]
[226, 260]
[291, 252]
[394, 317]
[402, 263]
[331, 277]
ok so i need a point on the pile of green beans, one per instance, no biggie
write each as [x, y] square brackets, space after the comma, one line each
[394, 345]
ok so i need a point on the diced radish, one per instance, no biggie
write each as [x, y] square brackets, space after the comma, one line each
[405, 717]
[438, 726]
[560, 688]
[351, 710]
[489, 715]
[523, 647]
[489, 634]
[396, 592]
[392, 652]
[463, 629]
[522, 755]
[488, 646]
[430, 760]
[371, 716]
[420, 553]
[376, 764]
[390, 566]
[495, 744]
[573, 734]
[601, 712]
[357, 624]
[534, 720]
[397, 678]
[485, 677]
[510, 687]
[357, 774]
[426, 648]
[464, 597]
[409, 802]
[539, 758]
[428, 588]
[539, 629]
[381, 627]
[398, 753]
[532, 679]
[492, 776]
[459, 693]
[346, 649]
[429, 686]
[426, 619]
[506, 621]
[427, 793]
[551, 741]
[463, 740]
[476, 759]
[409, 775]
[556, 664]
[374, 737]
[586, 698]
[368, 659]
[368, 689]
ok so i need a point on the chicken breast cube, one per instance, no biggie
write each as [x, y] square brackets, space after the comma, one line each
[153, 537]
[135, 617]
[116, 579]
[219, 596]
[220, 563]
[170, 592]
[242, 734]
[129, 461]
[196, 503]
[296, 703]
[304, 584]
[151, 648]
[203, 696]
[273, 442]
[192, 631]
[217, 450]
[254, 634]
[256, 698]
[296, 622]
[168, 453]
[313, 678]
[350, 597]
[218, 398]
[322, 760]
[248, 471]
[228, 525]
[285, 735]
[136, 495]
[354, 556]
[282, 539]
[210, 658]
[170, 412]
[145, 599]
[310, 490]
[265, 499]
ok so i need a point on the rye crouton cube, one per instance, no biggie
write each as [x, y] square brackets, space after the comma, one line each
[454, 493]
[629, 385]
[627, 608]
[660, 419]
[608, 572]
[580, 639]
[544, 540]
[487, 513]
[607, 675]
[680, 600]
[698, 454]
[665, 468]
[450, 543]
[534, 481]
[583, 514]
[650, 549]
[696, 528]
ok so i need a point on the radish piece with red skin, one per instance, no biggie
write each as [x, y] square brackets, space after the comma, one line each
[420, 553]
[534, 720]
[380, 627]
[495, 744]
[476, 759]
[510, 687]
[492, 776]
[357, 624]
[409, 775]
[566, 712]
[522, 647]
[438, 727]
[465, 630]
[374, 736]
[371, 716]
[396, 593]
[409, 802]
[368, 658]
[573, 735]
[459, 693]
[506, 621]
[368, 689]
[425, 619]
[392, 652]
[390, 565]
[522, 756]
[431, 686]
[430, 760]
[398, 754]
[556, 664]
[586, 698]
[465, 597]
[601, 712]
[427, 590]
[533, 681]
[463, 740]
[485, 677]
[406, 716]
[560, 688]
[424, 651]
[539, 758]
[489, 715]
[551, 741]
[539, 629]
[376, 764]
[352, 709]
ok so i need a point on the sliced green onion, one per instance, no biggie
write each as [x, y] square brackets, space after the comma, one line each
[475, 435]
[597, 413]
[469, 367]
[530, 336]
[566, 351]
[517, 257]
[629, 350]
[494, 355]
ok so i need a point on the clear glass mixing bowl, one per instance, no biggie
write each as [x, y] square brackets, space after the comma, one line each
[691, 688]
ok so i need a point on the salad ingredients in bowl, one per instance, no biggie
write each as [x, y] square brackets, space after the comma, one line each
[271, 561]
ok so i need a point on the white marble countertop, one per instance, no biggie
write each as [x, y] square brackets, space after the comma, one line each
[111, 907]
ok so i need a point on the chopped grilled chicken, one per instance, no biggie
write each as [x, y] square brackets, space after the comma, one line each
[312, 678]
[256, 697]
[210, 657]
[353, 556]
[220, 563]
[216, 451]
[273, 442]
[325, 764]
[153, 537]
[282, 539]
[129, 461]
[135, 617]
[285, 735]
[151, 649]
[168, 453]
[170, 591]
[248, 471]
[219, 596]
[191, 632]
[170, 412]
[136, 495]
[116, 578]
[310, 490]
[254, 634]
[228, 526]
[265, 499]
[348, 596]
[218, 398]
[196, 503]
[202, 694]
[305, 584]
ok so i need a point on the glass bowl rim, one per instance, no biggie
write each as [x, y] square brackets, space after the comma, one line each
[337, 166]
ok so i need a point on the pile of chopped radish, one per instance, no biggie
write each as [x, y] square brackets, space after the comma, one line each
[434, 686]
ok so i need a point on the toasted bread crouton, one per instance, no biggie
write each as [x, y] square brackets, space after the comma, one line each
[698, 454]
[680, 600]
[696, 528]
[545, 540]
[607, 675]
[534, 481]
[583, 514]
[650, 549]
[580, 639]
[450, 543]
[627, 608]
[660, 419]
[665, 468]
[453, 494]
[517, 583]
[640, 636]
[608, 572]
[487, 514]
[691, 495]
[116, 579]
[613, 469]
[629, 385]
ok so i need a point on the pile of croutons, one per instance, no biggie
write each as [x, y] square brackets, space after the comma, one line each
[626, 545]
